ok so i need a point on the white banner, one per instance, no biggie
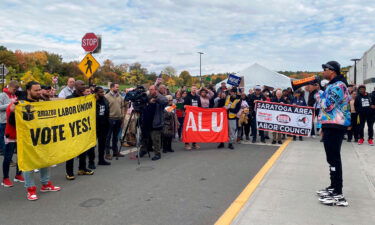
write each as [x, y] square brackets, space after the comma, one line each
[283, 118]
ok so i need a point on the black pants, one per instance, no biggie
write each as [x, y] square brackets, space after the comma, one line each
[70, 164]
[146, 142]
[254, 130]
[167, 143]
[363, 118]
[91, 155]
[101, 134]
[353, 132]
[332, 139]
[181, 121]
[8, 154]
[113, 131]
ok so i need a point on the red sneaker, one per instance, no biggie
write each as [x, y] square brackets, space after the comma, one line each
[361, 141]
[19, 178]
[370, 142]
[49, 187]
[31, 193]
[7, 183]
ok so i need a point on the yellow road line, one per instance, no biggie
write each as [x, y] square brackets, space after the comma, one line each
[233, 210]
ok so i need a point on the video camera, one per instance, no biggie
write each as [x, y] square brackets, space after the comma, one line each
[138, 97]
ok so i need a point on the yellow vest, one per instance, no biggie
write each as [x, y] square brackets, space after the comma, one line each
[232, 106]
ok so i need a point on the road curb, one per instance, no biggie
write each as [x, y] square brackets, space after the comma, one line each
[231, 213]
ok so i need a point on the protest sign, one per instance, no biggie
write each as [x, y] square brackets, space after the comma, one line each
[205, 125]
[53, 132]
[234, 80]
[284, 118]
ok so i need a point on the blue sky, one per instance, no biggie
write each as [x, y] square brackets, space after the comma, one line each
[279, 34]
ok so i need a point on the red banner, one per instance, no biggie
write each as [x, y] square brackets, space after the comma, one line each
[205, 125]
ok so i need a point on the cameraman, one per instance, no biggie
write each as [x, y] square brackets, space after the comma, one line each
[152, 122]
[335, 119]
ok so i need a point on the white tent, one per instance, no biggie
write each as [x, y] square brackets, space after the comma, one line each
[260, 75]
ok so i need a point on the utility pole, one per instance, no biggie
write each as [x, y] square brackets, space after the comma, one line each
[200, 66]
[355, 69]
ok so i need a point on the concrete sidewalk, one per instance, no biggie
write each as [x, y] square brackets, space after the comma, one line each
[287, 193]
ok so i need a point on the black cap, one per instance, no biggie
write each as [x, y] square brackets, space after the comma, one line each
[362, 86]
[44, 87]
[234, 89]
[332, 65]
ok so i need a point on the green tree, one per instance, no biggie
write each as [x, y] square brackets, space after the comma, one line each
[170, 71]
[8, 58]
[54, 62]
[186, 78]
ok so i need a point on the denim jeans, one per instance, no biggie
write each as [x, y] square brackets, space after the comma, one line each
[2, 134]
[114, 130]
[29, 177]
[8, 154]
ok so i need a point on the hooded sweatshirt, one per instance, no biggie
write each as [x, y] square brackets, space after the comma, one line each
[363, 103]
[5, 99]
[334, 103]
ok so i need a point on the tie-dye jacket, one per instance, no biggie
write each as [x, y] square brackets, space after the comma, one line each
[334, 103]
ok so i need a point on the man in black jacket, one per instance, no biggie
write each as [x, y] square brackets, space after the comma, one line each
[102, 123]
[78, 92]
[256, 96]
[192, 99]
[363, 106]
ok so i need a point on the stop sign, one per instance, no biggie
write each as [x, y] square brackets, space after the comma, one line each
[90, 42]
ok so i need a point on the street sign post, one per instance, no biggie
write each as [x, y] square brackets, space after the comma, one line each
[3, 72]
[88, 65]
[90, 42]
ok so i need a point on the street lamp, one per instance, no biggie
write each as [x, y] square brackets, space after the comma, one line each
[200, 66]
[355, 69]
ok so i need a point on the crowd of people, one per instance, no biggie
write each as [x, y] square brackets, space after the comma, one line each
[159, 115]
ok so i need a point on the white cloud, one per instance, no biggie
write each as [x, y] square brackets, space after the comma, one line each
[280, 34]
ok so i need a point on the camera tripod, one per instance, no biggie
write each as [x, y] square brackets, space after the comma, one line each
[138, 134]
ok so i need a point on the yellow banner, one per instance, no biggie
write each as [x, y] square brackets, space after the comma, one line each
[53, 132]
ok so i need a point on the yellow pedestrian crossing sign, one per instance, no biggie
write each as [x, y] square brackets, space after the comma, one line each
[88, 65]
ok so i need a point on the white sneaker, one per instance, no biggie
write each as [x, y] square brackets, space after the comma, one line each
[335, 199]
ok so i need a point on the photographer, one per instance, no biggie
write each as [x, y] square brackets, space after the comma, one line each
[152, 123]
[335, 119]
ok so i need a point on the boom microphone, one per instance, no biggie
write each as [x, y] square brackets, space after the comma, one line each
[296, 84]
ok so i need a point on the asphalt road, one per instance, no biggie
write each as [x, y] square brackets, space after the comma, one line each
[185, 187]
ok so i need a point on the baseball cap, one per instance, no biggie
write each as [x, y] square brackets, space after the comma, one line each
[332, 65]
